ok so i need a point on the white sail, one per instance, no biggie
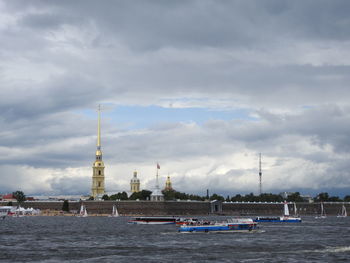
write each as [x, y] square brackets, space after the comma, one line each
[83, 211]
[323, 212]
[295, 209]
[114, 211]
[286, 210]
[343, 212]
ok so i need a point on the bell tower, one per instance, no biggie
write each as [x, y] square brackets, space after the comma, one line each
[168, 185]
[135, 184]
[98, 167]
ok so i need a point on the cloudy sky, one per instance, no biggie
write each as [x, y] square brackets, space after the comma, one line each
[202, 87]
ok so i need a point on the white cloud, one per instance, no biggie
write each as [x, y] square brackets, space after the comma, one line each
[284, 63]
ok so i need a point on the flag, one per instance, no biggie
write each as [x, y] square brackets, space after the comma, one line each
[158, 167]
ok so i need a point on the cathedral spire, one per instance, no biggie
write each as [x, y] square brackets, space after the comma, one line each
[99, 128]
[98, 176]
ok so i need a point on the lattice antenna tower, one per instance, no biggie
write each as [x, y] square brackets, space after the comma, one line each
[260, 175]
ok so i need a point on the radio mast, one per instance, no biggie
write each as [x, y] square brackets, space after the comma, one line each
[260, 175]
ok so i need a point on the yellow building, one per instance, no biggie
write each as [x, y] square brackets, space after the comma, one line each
[98, 175]
[135, 184]
[168, 185]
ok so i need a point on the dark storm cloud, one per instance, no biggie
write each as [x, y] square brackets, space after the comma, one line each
[155, 24]
[286, 62]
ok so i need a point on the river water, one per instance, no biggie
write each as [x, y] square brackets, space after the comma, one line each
[103, 239]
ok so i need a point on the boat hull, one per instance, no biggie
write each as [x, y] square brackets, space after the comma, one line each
[278, 220]
[151, 223]
[219, 228]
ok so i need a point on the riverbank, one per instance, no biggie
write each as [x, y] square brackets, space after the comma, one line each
[180, 208]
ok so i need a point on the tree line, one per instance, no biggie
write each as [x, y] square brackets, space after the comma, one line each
[265, 197]
[175, 195]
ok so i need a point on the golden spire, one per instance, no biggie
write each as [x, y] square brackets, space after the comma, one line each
[99, 128]
[168, 184]
[98, 175]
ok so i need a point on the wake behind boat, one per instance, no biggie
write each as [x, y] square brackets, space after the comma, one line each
[153, 220]
[286, 218]
[231, 225]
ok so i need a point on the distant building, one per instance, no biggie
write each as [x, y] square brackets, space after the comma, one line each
[98, 175]
[307, 198]
[8, 197]
[135, 184]
[168, 185]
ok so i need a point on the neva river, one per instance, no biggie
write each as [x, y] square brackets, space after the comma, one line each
[103, 239]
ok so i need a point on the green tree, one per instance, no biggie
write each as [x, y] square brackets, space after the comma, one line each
[334, 199]
[236, 198]
[295, 197]
[143, 195]
[347, 198]
[322, 197]
[119, 196]
[217, 197]
[250, 198]
[124, 196]
[9, 203]
[65, 206]
[19, 196]
[105, 197]
[169, 194]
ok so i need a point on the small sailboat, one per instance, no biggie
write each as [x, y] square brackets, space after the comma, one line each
[285, 218]
[83, 212]
[323, 213]
[343, 212]
[114, 212]
[295, 210]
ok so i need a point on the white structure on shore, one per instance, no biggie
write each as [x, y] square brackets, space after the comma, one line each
[157, 193]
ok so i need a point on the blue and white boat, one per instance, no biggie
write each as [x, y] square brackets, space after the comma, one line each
[231, 225]
[286, 218]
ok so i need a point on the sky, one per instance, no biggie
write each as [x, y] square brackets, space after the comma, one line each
[199, 86]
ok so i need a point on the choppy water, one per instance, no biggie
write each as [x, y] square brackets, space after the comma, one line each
[103, 239]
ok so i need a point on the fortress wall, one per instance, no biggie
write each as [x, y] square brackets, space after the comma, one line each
[149, 208]
[127, 207]
[185, 208]
[238, 209]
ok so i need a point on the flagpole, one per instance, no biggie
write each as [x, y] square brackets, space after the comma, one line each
[157, 182]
